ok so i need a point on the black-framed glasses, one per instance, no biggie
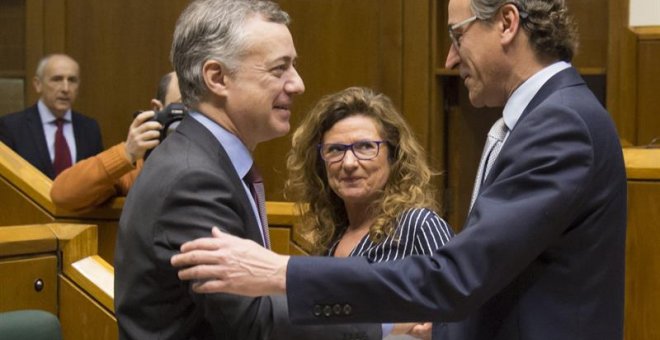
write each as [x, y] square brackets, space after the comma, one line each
[455, 35]
[362, 150]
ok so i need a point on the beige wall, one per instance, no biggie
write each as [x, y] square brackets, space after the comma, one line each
[644, 13]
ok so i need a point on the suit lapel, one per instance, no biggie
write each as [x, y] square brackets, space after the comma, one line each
[201, 136]
[78, 131]
[565, 78]
[36, 130]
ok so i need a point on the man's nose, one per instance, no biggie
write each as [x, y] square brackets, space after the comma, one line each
[453, 58]
[295, 85]
[65, 85]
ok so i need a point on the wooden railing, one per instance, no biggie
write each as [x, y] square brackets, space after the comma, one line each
[60, 261]
[25, 193]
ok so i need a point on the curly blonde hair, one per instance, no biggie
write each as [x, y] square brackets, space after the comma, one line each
[323, 213]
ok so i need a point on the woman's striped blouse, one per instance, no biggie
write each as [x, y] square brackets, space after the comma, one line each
[418, 232]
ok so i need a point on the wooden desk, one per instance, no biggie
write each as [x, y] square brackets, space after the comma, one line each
[642, 306]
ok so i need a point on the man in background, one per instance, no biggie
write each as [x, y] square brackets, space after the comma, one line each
[49, 134]
[112, 172]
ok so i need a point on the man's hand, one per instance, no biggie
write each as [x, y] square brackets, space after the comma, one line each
[417, 330]
[229, 264]
[142, 136]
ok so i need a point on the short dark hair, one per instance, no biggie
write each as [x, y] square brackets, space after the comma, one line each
[164, 84]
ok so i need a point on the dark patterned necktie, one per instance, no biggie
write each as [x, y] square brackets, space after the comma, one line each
[256, 184]
[491, 150]
[62, 158]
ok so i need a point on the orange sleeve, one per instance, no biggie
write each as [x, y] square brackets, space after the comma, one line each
[94, 180]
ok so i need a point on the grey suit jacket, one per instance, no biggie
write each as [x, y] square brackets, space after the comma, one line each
[187, 186]
[542, 252]
[23, 132]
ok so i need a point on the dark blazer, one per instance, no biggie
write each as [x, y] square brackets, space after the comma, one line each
[187, 186]
[542, 252]
[23, 132]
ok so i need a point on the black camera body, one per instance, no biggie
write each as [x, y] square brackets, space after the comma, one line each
[169, 118]
[171, 114]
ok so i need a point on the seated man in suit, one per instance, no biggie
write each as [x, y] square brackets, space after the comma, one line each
[235, 62]
[49, 134]
[112, 172]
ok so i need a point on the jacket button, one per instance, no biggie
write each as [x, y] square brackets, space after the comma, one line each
[327, 310]
[336, 309]
[347, 309]
[317, 310]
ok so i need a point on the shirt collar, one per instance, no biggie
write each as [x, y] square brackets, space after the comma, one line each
[524, 94]
[239, 155]
[47, 117]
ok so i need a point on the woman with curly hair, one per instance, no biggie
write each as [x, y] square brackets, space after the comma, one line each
[362, 181]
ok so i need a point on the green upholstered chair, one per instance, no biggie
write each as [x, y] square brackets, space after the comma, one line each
[29, 325]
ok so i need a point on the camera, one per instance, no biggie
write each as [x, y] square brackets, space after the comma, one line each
[169, 118]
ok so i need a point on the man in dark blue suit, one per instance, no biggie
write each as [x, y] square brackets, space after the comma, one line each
[33, 133]
[541, 255]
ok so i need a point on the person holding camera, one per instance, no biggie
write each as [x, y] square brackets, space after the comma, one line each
[112, 172]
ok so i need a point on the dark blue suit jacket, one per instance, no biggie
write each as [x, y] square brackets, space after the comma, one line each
[23, 132]
[542, 252]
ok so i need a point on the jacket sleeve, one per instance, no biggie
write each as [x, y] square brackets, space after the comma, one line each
[537, 188]
[94, 180]
[201, 200]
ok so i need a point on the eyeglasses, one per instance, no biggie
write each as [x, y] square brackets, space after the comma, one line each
[456, 35]
[362, 150]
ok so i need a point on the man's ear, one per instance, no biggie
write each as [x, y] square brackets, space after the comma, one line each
[215, 77]
[510, 23]
[156, 105]
[37, 84]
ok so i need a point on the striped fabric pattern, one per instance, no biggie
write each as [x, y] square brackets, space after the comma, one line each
[418, 232]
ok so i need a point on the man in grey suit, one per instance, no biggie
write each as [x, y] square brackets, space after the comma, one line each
[235, 63]
[541, 255]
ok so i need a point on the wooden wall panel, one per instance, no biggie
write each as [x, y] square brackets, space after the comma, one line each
[340, 43]
[621, 88]
[97, 324]
[592, 21]
[18, 277]
[12, 38]
[123, 50]
[642, 305]
[416, 67]
[648, 100]
[18, 208]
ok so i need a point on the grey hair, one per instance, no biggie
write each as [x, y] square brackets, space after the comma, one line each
[552, 31]
[211, 30]
[41, 65]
